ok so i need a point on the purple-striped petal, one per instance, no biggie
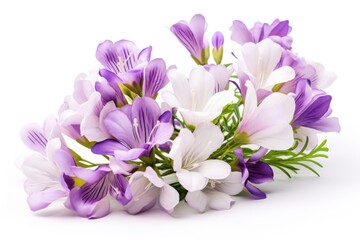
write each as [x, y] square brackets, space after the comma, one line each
[145, 112]
[106, 54]
[217, 40]
[260, 172]
[155, 77]
[120, 190]
[33, 137]
[186, 37]
[127, 55]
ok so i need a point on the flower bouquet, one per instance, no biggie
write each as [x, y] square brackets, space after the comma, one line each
[216, 132]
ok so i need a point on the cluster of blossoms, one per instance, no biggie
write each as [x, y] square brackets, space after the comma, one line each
[218, 131]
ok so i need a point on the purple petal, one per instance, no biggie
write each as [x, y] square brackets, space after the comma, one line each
[106, 54]
[42, 199]
[131, 154]
[255, 157]
[91, 176]
[146, 111]
[187, 38]
[254, 191]
[118, 124]
[217, 40]
[120, 189]
[145, 54]
[33, 137]
[89, 209]
[280, 29]
[240, 33]
[260, 172]
[128, 53]
[161, 133]
[155, 77]
[327, 125]
[64, 160]
[108, 147]
[198, 27]
[165, 117]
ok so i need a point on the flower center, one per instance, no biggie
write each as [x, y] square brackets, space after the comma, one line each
[212, 183]
[122, 63]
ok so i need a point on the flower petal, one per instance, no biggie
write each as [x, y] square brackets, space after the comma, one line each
[42, 199]
[281, 75]
[240, 33]
[33, 137]
[131, 154]
[155, 77]
[181, 88]
[191, 181]
[197, 200]
[254, 191]
[181, 145]
[218, 200]
[107, 147]
[260, 172]
[214, 169]
[231, 185]
[169, 198]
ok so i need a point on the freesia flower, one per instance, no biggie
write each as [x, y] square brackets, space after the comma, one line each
[277, 31]
[190, 152]
[123, 61]
[191, 36]
[267, 125]
[195, 98]
[92, 200]
[135, 128]
[147, 189]
[47, 169]
[258, 63]
[254, 171]
[216, 195]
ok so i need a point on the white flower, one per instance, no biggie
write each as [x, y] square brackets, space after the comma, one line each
[147, 188]
[190, 152]
[257, 63]
[195, 98]
[267, 125]
[216, 194]
[323, 77]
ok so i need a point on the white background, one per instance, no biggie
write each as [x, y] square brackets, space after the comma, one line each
[45, 44]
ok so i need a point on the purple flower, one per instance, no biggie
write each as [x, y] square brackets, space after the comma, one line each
[91, 199]
[123, 63]
[191, 35]
[136, 129]
[312, 109]
[47, 169]
[254, 171]
[277, 31]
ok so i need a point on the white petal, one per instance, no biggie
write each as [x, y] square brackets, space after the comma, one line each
[281, 75]
[202, 87]
[218, 200]
[217, 102]
[231, 185]
[250, 100]
[180, 87]
[208, 138]
[152, 176]
[278, 137]
[170, 99]
[195, 117]
[197, 200]
[269, 57]
[250, 57]
[181, 145]
[191, 181]
[221, 76]
[214, 169]
[169, 198]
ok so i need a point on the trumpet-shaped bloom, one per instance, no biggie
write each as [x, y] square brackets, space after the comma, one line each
[195, 98]
[258, 63]
[190, 152]
[267, 125]
[147, 189]
[91, 200]
[136, 129]
[277, 31]
[254, 171]
[216, 195]
[191, 35]
[46, 170]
